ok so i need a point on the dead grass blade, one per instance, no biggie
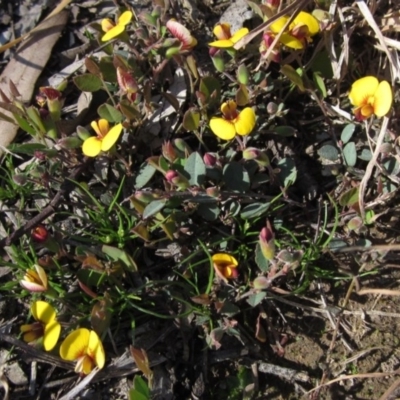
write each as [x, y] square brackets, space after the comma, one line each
[393, 59]
[72, 394]
[371, 165]
[386, 292]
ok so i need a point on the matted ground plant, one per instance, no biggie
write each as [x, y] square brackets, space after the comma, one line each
[205, 195]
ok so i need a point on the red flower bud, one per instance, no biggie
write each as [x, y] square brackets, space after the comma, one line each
[39, 234]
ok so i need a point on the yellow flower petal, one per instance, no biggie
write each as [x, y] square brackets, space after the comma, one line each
[113, 33]
[111, 137]
[278, 25]
[107, 24]
[383, 99]
[75, 344]
[43, 312]
[362, 89]
[42, 275]
[309, 20]
[125, 18]
[245, 122]
[239, 34]
[229, 109]
[225, 259]
[51, 335]
[84, 365]
[92, 146]
[95, 349]
[222, 128]
[222, 44]
[291, 41]
[222, 31]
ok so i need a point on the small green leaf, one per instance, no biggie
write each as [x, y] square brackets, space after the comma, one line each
[134, 394]
[329, 152]
[88, 82]
[350, 154]
[365, 155]
[347, 133]
[209, 212]
[261, 261]
[320, 84]
[349, 198]
[293, 76]
[236, 177]
[146, 172]
[129, 110]
[254, 210]
[261, 282]
[27, 148]
[242, 96]
[108, 70]
[196, 169]
[210, 86]
[287, 171]
[256, 298]
[118, 254]
[153, 208]
[284, 131]
[24, 125]
[191, 119]
[369, 217]
[110, 113]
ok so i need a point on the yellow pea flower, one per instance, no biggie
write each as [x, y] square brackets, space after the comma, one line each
[299, 32]
[225, 266]
[105, 139]
[46, 325]
[233, 123]
[35, 280]
[113, 30]
[178, 31]
[85, 347]
[370, 96]
[225, 39]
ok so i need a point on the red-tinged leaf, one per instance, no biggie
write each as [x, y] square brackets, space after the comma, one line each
[86, 289]
[260, 331]
[141, 361]
[100, 317]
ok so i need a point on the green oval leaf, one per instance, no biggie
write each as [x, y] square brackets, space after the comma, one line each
[144, 175]
[261, 261]
[293, 76]
[350, 154]
[287, 171]
[329, 152]
[209, 212]
[236, 177]
[196, 169]
[153, 208]
[347, 133]
[110, 113]
[254, 210]
[191, 119]
[88, 82]
[319, 83]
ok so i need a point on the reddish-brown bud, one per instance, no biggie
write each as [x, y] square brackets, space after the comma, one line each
[209, 159]
[39, 234]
